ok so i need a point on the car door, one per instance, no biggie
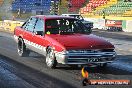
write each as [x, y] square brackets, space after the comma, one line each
[28, 32]
[38, 37]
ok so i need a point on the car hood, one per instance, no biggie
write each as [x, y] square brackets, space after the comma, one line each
[81, 41]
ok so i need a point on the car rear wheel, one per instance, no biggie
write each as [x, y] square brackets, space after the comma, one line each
[50, 58]
[21, 48]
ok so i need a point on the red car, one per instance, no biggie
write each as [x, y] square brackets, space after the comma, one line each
[62, 40]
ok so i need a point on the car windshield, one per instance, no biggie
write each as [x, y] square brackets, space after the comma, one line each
[65, 26]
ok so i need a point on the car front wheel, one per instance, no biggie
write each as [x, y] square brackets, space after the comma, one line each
[50, 58]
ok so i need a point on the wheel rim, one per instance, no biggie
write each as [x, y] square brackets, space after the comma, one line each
[20, 48]
[50, 58]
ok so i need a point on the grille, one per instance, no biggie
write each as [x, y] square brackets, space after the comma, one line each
[91, 51]
[107, 50]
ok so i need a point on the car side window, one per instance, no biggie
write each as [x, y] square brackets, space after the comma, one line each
[25, 24]
[30, 24]
[39, 26]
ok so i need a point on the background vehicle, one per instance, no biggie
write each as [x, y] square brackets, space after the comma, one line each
[78, 16]
[62, 40]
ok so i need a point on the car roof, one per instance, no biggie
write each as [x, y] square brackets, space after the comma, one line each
[69, 14]
[52, 17]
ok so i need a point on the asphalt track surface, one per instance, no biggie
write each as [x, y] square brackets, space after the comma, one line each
[31, 72]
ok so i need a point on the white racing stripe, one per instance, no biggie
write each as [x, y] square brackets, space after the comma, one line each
[31, 44]
[35, 45]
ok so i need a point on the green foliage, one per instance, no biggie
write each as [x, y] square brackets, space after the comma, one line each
[0, 18]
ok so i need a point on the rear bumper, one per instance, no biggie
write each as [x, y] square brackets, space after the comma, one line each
[86, 58]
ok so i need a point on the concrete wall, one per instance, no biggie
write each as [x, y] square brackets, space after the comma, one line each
[9, 25]
[128, 26]
[100, 24]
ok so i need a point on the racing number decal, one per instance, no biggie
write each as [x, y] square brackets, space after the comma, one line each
[58, 21]
[67, 22]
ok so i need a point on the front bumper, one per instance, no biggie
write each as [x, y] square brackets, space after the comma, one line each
[89, 25]
[85, 58]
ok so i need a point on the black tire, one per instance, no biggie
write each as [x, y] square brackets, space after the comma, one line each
[21, 48]
[50, 58]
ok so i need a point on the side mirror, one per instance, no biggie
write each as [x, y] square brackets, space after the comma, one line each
[39, 33]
